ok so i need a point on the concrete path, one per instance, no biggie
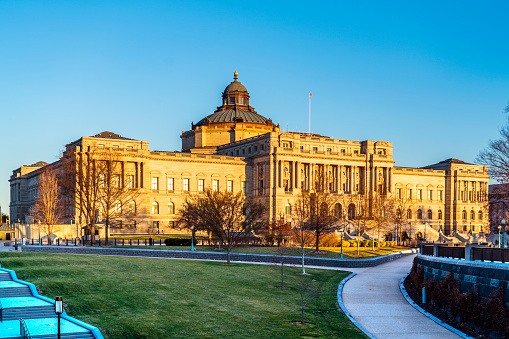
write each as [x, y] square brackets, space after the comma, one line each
[374, 300]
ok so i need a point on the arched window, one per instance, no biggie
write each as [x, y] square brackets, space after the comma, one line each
[479, 216]
[338, 210]
[117, 207]
[472, 214]
[439, 214]
[409, 214]
[155, 208]
[419, 214]
[288, 209]
[464, 215]
[171, 208]
[351, 212]
[430, 214]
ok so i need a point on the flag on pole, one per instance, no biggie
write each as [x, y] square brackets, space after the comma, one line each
[310, 95]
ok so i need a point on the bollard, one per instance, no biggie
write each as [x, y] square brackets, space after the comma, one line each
[424, 295]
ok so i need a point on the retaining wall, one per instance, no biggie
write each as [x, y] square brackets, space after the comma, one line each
[486, 275]
[291, 260]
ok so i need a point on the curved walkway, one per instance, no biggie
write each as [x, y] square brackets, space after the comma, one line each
[374, 300]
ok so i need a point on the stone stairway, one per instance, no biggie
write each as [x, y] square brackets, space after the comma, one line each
[18, 304]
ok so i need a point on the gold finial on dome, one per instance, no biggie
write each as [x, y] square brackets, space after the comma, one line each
[235, 75]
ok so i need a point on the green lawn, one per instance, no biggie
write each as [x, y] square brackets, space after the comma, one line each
[325, 252]
[159, 298]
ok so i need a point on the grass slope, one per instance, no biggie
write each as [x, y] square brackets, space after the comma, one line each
[158, 298]
[325, 252]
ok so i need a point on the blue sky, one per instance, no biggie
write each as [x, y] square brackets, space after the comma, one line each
[431, 77]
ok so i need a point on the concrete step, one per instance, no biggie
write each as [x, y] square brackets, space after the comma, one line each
[8, 292]
[78, 335]
[5, 276]
[33, 312]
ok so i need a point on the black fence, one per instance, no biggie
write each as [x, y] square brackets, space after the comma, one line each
[491, 254]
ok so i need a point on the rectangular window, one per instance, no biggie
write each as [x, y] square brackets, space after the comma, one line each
[329, 150]
[215, 185]
[171, 183]
[229, 186]
[232, 101]
[256, 148]
[356, 152]
[243, 151]
[129, 181]
[100, 146]
[315, 148]
[470, 195]
[462, 195]
[244, 187]
[399, 193]
[409, 195]
[129, 148]
[419, 194]
[441, 195]
[116, 147]
[430, 194]
[261, 147]
[343, 151]
[260, 187]
[241, 101]
[155, 225]
[249, 150]
[155, 183]
[115, 180]
[201, 185]
[185, 185]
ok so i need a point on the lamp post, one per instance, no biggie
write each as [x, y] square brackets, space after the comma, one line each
[499, 229]
[503, 231]
[59, 309]
[192, 238]
[39, 233]
[342, 233]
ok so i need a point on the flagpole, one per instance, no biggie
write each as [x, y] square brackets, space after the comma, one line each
[309, 131]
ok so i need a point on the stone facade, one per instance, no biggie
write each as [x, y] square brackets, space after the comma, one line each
[235, 148]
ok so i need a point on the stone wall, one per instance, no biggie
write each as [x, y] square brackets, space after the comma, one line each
[290, 260]
[488, 276]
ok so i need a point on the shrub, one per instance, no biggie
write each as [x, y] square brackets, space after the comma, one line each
[346, 243]
[178, 241]
[364, 243]
[382, 244]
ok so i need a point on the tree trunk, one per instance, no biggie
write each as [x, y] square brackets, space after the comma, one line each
[228, 255]
[317, 244]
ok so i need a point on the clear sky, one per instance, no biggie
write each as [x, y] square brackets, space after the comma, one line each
[432, 77]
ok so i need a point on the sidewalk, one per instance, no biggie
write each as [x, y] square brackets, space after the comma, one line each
[374, 300]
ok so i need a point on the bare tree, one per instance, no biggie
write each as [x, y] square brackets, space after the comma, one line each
[300, 227]
[115, 197]
[382, 207]
[358, 214]
[400, 214]
[228, 216]
[48, 209]
[308, 290]
[319, 206]
[80, 182]
[496, 155]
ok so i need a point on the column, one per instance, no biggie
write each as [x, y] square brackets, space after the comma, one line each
[297, 174]
[291, 180]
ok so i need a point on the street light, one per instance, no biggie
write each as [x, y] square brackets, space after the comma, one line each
[192, 238]
[499, 229]
[59, 309]
[39, 233]
[503, 231]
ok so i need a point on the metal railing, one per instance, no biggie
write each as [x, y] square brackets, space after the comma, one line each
[451, 252]
[427, 250]
[23, 330]
[491, 254]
